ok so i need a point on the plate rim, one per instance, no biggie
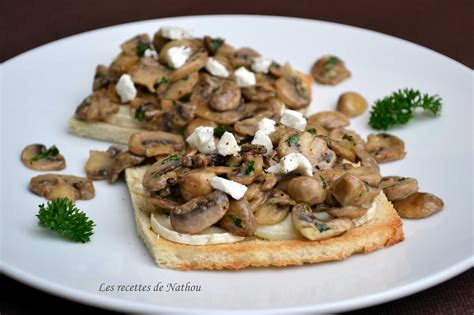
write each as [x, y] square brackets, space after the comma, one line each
[114, 303]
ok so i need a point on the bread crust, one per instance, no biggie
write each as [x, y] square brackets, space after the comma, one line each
[385, 229]
[101, 131]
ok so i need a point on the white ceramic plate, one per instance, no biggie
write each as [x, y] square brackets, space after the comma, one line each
[41, 88]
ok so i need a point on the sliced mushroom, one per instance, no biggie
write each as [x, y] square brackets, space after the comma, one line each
[243, 57]
[228, 117]
[122, 161]
[162, 173]
[247, 127]
[199, 213]
[123, 64]
[294, 90]
[347, 212]
[274, 209]
[150, 73]
[178, 89]
[418, 205]
[385, 147]
[212, 45]
[349, 190]
[329, 120]
[239, 219]
[98, 165]
[330, 70]
[96, 107]
[160, 204]
[131, 47]
[195, 63]
[350, 137]
[305, 189]
[307, 223]
[159, 41]
[102, 78]
[251, 168]
[195, 184]
[53, 186]
[151, 143]
[38, 157]
[226, 96]
[351, 104]
[396, 187]
[266, 181]
[201, 160]
[261, 92]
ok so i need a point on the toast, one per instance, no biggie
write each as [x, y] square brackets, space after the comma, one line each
[385, 229]
[101, 131]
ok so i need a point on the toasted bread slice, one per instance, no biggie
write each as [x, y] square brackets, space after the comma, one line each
[384, 229]
[101, 131]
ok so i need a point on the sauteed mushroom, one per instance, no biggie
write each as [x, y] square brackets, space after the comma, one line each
[38, 157]
[305, 189]
[161, 173]
[151, 143]
[102, 78]
[250, 169]
[99, 163]
[351, 104]
[396, 187]
[294, 90]
[385, 147]
[330, 70]
[227, 117]
[347, 212]
[275, 208]
[243, 57]
[307, 223]
[329, 120]
[96, 107]
[181, 88]
[347, 135]
[123, 64]
[349, 190]
[418, 205]
[122, 161]
[239, 218]
[195, 184]
[133, 45]
[226, 96]
[197, 122]
[53, 186]
[150, 73]
[199, 213]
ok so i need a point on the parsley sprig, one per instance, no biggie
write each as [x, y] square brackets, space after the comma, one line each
[398, 108]
[52, 151]
[62, 216]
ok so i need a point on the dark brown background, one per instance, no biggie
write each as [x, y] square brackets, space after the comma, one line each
[444, 26]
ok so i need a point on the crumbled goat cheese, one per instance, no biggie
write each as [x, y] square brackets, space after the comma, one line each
[234, 189]
[292, 162]
[151, 53]
[125, 88]
[261, 64]
[173, 32]
[177, 56]
[244, 78]
[216, 68]
[262, 138]
[266, 125]
[227, 145]
[202, 139]
[293, 119]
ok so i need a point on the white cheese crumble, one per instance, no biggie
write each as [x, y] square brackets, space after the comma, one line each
[266, 125]
[173, 32]
[234, 189]
[227, 145]
[202, 139]
[125, 88]
[292, 162]
[177, 56]
[261, 64]
[216, 68]
[293, 119]
[244, 78]
[262, 138]
[150, 53]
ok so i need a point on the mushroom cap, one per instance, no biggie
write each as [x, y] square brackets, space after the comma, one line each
[30, 157]
[195, 184]
[329, 120]
[54, 186]
[158, 175]
[418, 205]
[152, 143]
[330, 70]
[385, 147]
[122, 161]
[294, 90]
[239, 218]
[305, 189]
[396, 187]
[275, 208]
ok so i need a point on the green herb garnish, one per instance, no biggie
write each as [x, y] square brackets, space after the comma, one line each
[171, 158]
[185, 78]
[219, 130]
[140, 113]
[237, 221]
[250, 168]
[162, 80]
[397, 109]
[312, 131]
[293, 140]
[323, 182]
[330, 63]
[349, 138]
[62, 216]
[52, 151]
[216, 43]
[141, 48]
[322, 227]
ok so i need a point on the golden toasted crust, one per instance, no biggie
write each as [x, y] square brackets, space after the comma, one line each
[384, 229]
[101, 131]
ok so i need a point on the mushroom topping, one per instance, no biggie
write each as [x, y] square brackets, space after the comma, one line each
[228, 117]
[262, 91]
[150, 73]
[152, 143]
[53, 186]
[329, 120]
[96, 107]
[122, 161]
[163, 205]
[250, 169]
[212, 45]
[181, 88]
[396, 188]
[226, 96]
[102, 78]
[123, 64]
[294, 90]
[352, 191]
[38, 157]
[196, 62]
[305, 189]
[343, 148]
[161, 173]
[136, 45]
[266, 181]
[351, 104]
[199, 213]
[347, 212]
[239, 219]
[195, 184]
[274, 209]
[418, 205]
[98, 165]
[243, 57]
[198, 122]
[330, 70]
[348, 136]
[307, 223]
[385, 147]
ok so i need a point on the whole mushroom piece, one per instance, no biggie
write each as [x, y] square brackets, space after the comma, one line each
[418, 205]
[38, 157]
[305, 189]
[152, 143]
[385, 147]
[239, 218]
[53, 186]
[330, 70]
[294, 90]
[396, 187]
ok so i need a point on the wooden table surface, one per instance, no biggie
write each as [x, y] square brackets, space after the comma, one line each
[444, 26]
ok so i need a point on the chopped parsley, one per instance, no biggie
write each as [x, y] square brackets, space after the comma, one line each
[219, 130]
[141, 48]
[237, 221]
[216, 43]
[349, 138]
[52, 151]
[140, 113]
[250, 168]
[293, 140]
[322, 227]
[185, 78]
[162, 80]
[171, 158]
[312, 131]
[330, 63]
